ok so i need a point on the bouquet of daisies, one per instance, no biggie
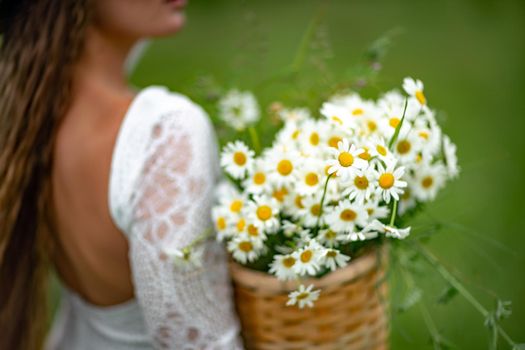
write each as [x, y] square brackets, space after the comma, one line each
[330, 183]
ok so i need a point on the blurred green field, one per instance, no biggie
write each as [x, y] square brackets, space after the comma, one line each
[471, 56]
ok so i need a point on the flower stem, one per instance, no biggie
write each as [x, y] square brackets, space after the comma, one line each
[394, 213]
[255, 139]
[454, 282]
[321, 204]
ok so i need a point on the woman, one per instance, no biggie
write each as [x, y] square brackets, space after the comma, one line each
[107, 186]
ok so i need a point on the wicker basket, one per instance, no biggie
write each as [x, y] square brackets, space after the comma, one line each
[350, 314]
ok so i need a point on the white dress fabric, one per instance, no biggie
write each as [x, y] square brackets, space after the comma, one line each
[163, 173]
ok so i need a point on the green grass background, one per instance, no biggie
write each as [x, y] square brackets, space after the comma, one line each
[471, 56]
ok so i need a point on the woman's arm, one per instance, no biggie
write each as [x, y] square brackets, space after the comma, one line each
[185, 305]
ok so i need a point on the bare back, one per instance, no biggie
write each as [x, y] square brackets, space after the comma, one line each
[92, 254]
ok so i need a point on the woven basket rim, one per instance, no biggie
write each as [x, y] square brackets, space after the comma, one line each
[263, 281]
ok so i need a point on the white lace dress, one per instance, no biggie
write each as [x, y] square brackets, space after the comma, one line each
[163, 172]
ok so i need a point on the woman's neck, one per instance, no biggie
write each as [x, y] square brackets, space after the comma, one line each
[101, 64]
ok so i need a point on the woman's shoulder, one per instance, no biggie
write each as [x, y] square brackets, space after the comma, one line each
[156, 117]
[160, 100]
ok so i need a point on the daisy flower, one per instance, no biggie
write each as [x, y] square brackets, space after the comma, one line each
[282, 165]
[187, 257]
[310, 177]
[407, 148]
[244, 249]
[289, 134]
[428, 180]
[414, 88]
[345, 216]
[329, 238]
[282, 267]
[449, 150]
[377, 148]
[293, 205]
[337, 115]
[239, 109]
[263, 213]
[307, 259]
[310, 139]
[361, 186]
[255, 232]
[221, 222]
[311, 211]
[345, 160]
[376, 211]
[257, 181]
[390, 185]
[332, 258]
[303, 296]
[237, 159]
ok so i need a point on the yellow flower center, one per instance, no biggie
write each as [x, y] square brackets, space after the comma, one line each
[424, 135]
[427, 182]
[330, 235]
[386, 180]
[295, 134]
[221, 223]
[259, 178]
[403, 147]
[370, 211]
[406, 194]
[381, 150]
[284, 167]
[279, 194]
[394, 122]
[331, 253]
[241, 224]
[421, 97]
[239, 158]
[333, 141]
[264, 212]
[314, 138]
[302, 296]
[253, 230]
[236, 206]
[299, 202]
[311, 179]
[348, 215]
[315, 210]
[372, 126]
[246, 246]
[346, 159]
[365, 155]
[337, 120]
[361, 182]
[357, 112]
[288, 262]
[306, 256]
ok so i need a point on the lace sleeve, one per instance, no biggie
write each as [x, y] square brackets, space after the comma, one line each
[186, 305]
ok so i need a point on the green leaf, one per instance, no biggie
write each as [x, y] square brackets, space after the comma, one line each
[398, 127]
[448, 294]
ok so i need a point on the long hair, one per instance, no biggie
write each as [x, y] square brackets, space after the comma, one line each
[40, 43]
